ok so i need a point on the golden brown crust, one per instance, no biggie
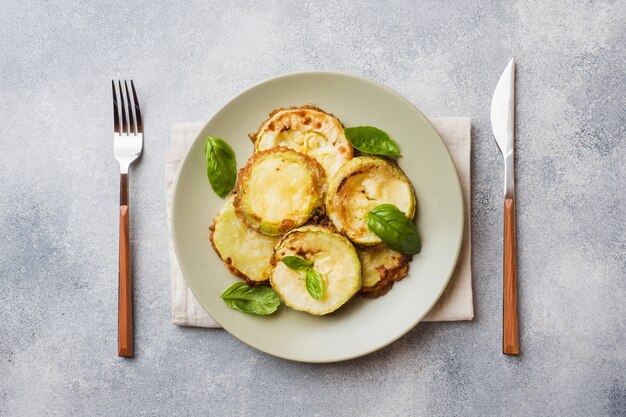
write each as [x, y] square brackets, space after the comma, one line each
[228, 262]
[254, 135]
[389, 272]
[319, 218]
[378, 290]
[286, 225]
[244, 175]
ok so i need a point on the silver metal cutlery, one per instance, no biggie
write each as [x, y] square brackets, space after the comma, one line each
[127, 146]
[503, 126]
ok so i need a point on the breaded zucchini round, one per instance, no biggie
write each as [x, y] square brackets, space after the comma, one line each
[360, 185]
[381, 267]
[245, 252]
[308, 130]
[278, 190]
[333, 257]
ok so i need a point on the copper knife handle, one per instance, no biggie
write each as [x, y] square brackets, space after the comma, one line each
[510, 330]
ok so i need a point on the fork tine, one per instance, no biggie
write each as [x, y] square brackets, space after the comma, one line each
[124, 123]
[116, 114]
[137, 108]
[130, 104]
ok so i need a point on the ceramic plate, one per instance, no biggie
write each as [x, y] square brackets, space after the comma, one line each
[361, 326]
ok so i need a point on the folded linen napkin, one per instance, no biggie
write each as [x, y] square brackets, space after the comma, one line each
[456, 303]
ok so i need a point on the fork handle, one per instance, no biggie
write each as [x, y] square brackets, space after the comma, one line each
[125, 301]
[510, 333]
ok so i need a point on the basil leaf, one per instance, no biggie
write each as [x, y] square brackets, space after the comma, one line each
[296, 263]
[372, 140]
[396, 230]
[221, 165]
[314, 284]
[254, 300]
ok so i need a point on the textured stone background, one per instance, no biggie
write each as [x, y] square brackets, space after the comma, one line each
[59, 188]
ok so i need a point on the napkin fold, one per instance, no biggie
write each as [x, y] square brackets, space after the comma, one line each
[455, 304]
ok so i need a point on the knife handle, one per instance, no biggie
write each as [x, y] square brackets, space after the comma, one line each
[510, 330]
[125, 298]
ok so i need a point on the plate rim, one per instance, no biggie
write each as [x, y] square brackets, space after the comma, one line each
[458, 192]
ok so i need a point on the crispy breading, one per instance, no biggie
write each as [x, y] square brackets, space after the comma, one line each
[241, 200]
[380, 268]
[307, 129]
[253, 135]
[245, 252]
[228, 261]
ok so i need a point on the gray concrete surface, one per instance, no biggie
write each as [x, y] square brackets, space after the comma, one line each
[59, 190]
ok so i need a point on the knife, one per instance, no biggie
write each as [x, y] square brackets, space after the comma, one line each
[503, 126]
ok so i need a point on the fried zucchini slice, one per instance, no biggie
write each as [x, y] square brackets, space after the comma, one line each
[308, 130]
[334, 258]
[360, 185]
[380, 268]
[278, 190]
[245, 252]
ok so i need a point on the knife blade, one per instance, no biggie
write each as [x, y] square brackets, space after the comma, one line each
[503, 127]
[503, 122]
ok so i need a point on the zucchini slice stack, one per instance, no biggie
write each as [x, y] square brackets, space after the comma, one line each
[333, 257]
[303, 194]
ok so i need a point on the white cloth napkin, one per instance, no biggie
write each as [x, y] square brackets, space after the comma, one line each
[456, 303]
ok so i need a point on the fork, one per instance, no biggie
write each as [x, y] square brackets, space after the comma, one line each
[127, 146]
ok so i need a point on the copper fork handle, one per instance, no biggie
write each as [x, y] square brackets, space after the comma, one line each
[125, 301]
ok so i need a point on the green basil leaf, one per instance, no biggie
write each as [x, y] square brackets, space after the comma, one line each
[254, 300]
[221, 165]
[314, 284]
[372, 140]
[396, 230]
[296, 263]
